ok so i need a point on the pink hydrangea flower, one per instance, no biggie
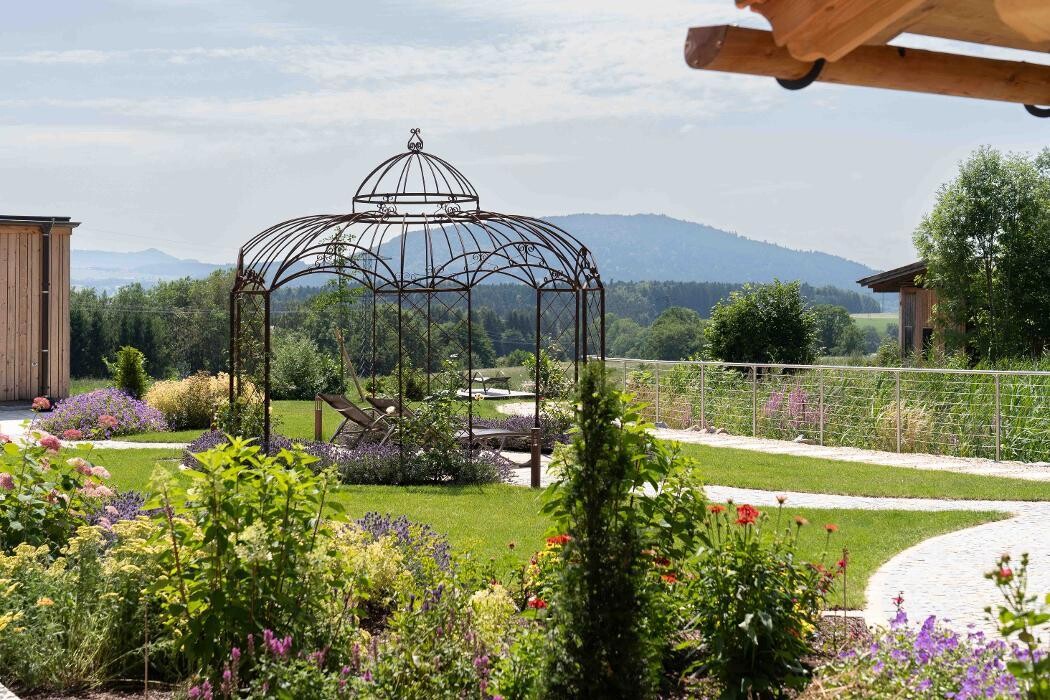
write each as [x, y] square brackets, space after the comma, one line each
[51, 443]
[80, 464]
[4, 439]
[41, 403]
[7, 482]
[111, 510]
[100, 472]
[72, 434]
[107, 421]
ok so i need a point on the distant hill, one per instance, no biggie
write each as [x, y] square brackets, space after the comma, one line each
[659, 248]
[643, 247]
[108, 271]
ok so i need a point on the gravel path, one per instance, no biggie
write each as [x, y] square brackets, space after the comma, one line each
[6, 694]
[1038, 471]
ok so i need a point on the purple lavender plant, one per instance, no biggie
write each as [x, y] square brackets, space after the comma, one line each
[103, 414]
[415, 539]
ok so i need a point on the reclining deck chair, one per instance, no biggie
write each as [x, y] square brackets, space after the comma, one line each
[357, 423]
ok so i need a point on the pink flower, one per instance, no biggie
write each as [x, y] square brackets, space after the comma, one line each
[7, 481]
[72, 434]
[107, 421]
[4, 439]
[80, 464]
[41, 403]
[100, 472]
[51, 443]
[105, 524]
[110, 510]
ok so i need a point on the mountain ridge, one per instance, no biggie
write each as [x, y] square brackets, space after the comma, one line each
[628, 248]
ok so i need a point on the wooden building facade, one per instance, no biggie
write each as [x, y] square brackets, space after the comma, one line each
[34, 306]
[915, 317]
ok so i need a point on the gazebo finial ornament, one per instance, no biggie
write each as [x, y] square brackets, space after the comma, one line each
[415, 141]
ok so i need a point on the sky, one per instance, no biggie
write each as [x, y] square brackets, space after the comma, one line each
[190, 125]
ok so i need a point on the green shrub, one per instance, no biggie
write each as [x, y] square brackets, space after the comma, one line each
[611, 622]
[299, 370]
[244, 418]
[763, 323]
[754, 604]
[248, 552]
[554, 383]
[129, 371]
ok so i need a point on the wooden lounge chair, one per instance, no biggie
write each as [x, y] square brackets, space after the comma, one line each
[499, 381]
[357, 423]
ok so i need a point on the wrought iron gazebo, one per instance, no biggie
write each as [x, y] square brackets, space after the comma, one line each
[418, 244]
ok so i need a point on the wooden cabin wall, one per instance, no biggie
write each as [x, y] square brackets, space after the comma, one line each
[924, 301]
[20, 311]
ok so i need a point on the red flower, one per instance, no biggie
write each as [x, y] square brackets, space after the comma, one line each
[831, 527]
[898, 599]
[537, 603]
[717, 509]
[669, 578]
[662, 561]
[842, 564]
[72, 434]
[107, 421]
[1006, 573]
[746, 514]
[41, 403]
[558, 540]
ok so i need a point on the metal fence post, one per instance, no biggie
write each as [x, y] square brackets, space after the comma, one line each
[703, 399]
[998, 420]
[657, 373]
[754, 400]
[820, 405]
[898, 399]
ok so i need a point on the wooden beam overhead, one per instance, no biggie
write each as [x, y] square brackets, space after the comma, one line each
[754, 52]
[830, 29]
[1029, 18]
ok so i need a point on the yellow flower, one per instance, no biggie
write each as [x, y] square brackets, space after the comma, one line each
[45, 602]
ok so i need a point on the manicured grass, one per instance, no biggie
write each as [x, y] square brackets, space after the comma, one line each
[131, 469]
[84, 385]
[484, 520]
[772, 472]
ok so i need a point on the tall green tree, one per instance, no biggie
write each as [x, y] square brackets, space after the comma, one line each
[676, 334]
[987, 247]
[763, 323]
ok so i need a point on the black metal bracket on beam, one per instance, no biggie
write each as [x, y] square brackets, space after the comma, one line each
[806, 80]
[1041, 112]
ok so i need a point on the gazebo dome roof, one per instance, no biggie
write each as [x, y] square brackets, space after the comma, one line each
[416, 179]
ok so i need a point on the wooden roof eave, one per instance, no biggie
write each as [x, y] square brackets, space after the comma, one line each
[755, 52]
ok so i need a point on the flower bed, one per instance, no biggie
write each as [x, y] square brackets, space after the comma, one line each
[100, 415]
[373, 464]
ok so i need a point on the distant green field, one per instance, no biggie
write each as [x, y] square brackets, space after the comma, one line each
[876, 321]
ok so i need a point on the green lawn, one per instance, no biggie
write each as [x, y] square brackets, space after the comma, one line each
[759, 470]
[877, 321]
[295, 419]
[484, 520]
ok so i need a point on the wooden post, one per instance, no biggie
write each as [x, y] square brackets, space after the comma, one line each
[535, 463]
[318, 420]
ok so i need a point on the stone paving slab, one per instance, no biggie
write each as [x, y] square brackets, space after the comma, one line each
[6, 694]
